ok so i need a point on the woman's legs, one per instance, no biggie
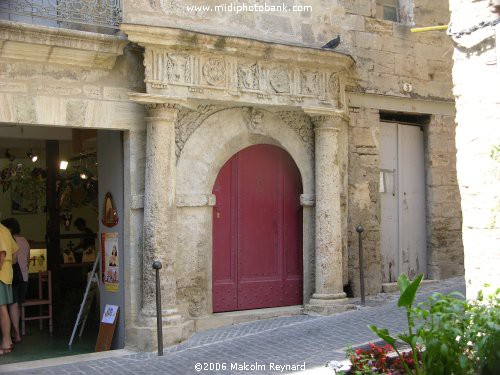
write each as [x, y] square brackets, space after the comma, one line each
[14, 318]
[5, 327]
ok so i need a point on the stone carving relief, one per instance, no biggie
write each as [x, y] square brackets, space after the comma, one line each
[214, 71]
[188, 121]
[309, 82]
[248, 76]
[301, 125]
[254, 120]
[178, 68]
[279, 80]
[210, 76]
[334, 89]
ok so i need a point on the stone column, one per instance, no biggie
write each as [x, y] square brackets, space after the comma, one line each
[160, 222]
[329, 296]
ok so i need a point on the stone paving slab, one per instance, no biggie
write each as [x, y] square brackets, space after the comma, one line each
[260, 347]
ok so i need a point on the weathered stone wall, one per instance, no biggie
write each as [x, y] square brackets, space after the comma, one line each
[388, 55]
[68, 78]
[475, 78]
[444, 216]
[364, 203]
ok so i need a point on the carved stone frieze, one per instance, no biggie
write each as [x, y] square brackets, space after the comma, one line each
[310, 82]
[178, 68]
[210, 68]
[334, 89]
[279, 80]
[214, 71]
[248, 76]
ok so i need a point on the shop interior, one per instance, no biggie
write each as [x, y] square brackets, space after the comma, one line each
[49, 183]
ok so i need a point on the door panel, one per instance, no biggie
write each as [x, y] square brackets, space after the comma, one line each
[402, 196]
[412, 228]
[224, 242]
[389, 226]
[257, 231]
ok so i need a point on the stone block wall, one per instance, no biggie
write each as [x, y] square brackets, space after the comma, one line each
[363, 192]
[388, 55]
[444, 215]
[475, 79]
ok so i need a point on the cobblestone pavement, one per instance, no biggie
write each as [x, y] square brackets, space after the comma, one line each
[255, 346]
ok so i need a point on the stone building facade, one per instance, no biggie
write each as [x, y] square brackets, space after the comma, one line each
[191, 88]
[476, 74]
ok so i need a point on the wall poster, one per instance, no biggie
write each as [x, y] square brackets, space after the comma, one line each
[110, 263]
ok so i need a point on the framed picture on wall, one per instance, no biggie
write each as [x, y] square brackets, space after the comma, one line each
[38, 260]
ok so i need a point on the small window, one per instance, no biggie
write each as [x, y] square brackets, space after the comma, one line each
[391, 13]
[388, 10]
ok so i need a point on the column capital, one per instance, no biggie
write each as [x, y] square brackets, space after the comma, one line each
[326, 118]
[160, 107]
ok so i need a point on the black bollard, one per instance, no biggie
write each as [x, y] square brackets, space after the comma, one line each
[360, 230]
[157, 266]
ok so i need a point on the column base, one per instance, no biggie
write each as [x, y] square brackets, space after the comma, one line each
[144, 337]
[320, 304]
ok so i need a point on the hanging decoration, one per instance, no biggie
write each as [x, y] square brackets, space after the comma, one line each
[109, 214]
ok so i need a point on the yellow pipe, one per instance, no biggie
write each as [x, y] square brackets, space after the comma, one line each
[429, 28]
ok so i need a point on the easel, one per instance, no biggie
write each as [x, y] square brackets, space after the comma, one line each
[90, 293]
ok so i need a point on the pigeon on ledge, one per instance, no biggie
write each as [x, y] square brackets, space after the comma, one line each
[332, 44]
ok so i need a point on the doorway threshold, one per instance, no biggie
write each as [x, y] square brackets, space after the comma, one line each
[235, 317]
[393, 287]
[65, 360]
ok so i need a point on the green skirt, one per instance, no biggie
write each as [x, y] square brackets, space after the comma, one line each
[5, 293]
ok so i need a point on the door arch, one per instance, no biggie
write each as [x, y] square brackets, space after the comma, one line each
[257, 231]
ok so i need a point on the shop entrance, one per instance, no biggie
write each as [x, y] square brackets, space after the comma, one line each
[257, 231]
[53, 182]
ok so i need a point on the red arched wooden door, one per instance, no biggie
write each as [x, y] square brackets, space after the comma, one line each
[257, 231]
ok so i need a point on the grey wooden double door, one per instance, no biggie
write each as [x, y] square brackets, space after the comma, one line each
[402, 193]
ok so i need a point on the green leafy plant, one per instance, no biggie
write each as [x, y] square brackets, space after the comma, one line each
[459, 336]
[408, 291]
[447, 334]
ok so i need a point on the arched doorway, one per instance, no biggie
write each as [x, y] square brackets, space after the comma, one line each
[257, 231]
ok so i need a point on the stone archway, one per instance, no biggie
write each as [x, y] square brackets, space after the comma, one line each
[186, 70]
[209, 147]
